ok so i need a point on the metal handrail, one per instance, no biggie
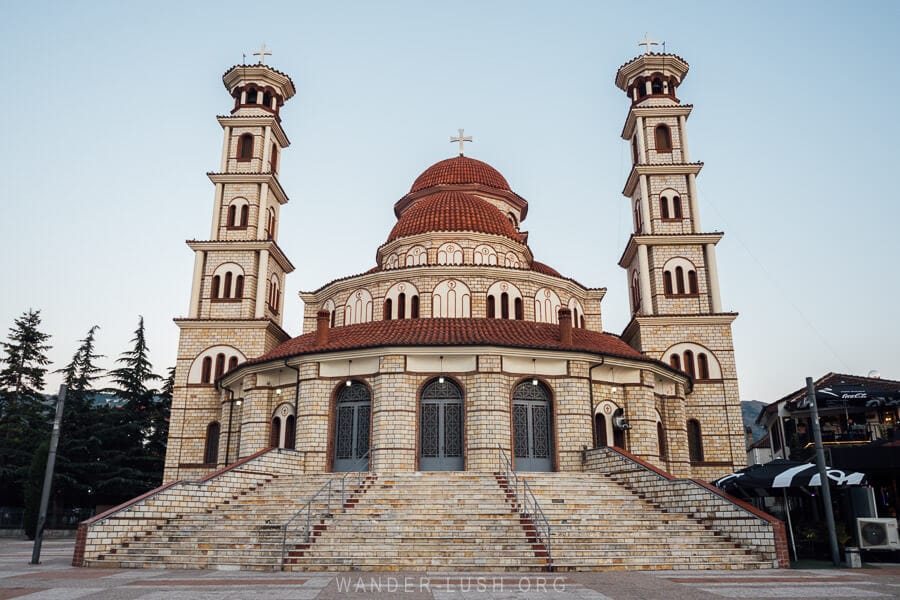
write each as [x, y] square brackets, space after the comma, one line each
[326, 512]
[527, 497]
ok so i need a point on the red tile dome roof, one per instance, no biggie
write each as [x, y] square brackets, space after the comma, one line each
[455, 332]
[460, 169]
[453, 211]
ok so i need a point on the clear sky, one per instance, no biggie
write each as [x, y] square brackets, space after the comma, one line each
[109, 108]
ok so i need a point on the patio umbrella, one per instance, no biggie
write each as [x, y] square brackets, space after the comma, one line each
[762, 480]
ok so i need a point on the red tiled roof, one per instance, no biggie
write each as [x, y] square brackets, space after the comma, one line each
[453, 211]
[460, 169]
[545, 269]
[454, 332]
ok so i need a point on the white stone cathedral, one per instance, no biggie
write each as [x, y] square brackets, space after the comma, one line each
[458, 341]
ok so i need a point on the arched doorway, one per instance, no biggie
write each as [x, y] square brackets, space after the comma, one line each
[283, 429]
[532, 427]
[351, 429]
[441, 427]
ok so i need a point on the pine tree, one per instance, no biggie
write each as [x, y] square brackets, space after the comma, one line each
[79, 463]
[24, 419]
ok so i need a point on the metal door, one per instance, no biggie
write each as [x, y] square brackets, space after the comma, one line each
[532, 428]
[441, 427]
[351, 435]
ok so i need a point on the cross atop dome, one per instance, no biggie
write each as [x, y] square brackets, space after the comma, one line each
[462, 139]
[648, 44]
[262, 53]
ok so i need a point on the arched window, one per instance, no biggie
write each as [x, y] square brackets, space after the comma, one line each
[491, 308]
[520, 313]
[451, 298]
[358, 307]
[270, 224]
[267, 99]
[676, 205]
[245, 147]
[702, 366]
[232, 362]
[485, 255]
[220, 365]
[274, 294]
[634, 150]
[273, 158]
[692, 282]
[252, 95]
[401, 306]
[239, 286]
[581, 321]
[211, 448]
[245, 215]
[667, 282]
[638, 219]
[675, 361]
[206, 370]
[232, 215]
[216, 284]
[695, 441]
[504, 305]
[679, 280]
[641, 88]
[546, 306]
[450, 254]
[664, 207]
[600, 439]
[656, 85]
[661, 441]
[635, 292]
[290, 432]
[275, 432]
[226, 289]
[388, 310]
[663, 138]
[689, 363]
[414, 307]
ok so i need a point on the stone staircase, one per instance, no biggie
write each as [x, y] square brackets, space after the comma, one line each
[425, 521]
[599, 524]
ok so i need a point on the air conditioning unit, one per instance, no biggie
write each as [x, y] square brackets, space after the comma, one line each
[877, 534]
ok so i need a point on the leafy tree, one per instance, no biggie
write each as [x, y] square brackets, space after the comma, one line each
[24, 420]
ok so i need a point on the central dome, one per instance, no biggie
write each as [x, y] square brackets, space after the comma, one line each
[460, 169]
[453, 211]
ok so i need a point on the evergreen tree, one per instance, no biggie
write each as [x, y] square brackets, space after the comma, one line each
[24, 420]
[134, 465]
[79, 466]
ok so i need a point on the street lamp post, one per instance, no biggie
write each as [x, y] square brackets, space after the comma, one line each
[48, 477]
[823, 473]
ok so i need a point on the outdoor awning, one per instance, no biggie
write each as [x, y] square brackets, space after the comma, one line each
[762, 480]
[848, 395]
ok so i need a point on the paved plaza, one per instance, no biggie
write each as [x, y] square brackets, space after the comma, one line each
[55, 579]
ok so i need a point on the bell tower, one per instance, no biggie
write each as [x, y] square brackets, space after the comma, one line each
[236, 302]
[673, 280]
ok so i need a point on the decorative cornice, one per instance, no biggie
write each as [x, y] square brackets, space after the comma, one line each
[676, 110]
[669, 239]
[256, 245]
[665, 169]
[253, 73]
[650, 63]
[257, 121]
[275, 328]
[269, 178]
[662, 320]
[430, 239]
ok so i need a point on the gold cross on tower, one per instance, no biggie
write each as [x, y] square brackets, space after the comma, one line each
[462, 139]
[648, 43]
[262, 54]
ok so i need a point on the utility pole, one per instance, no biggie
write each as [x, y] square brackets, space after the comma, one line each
[48, 477]
[825, 486]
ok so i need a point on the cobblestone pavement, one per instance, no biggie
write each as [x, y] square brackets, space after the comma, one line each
[55, 579]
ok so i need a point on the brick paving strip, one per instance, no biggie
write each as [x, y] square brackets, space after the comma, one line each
[69, 574]
[758, 579]
[219, 582]
[8, 593]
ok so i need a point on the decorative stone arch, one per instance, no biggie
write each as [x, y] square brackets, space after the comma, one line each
[635, 291]
[680, 277]
[662, 444]
[206, 365]
[401, 302]
[533, 426]
[441, 425]
[415, 256]
[274, 293]
[511, 260]
[670, 205]
[484, 255]
[358, 308]
[546, 306]
[604, 432]
[451, 298]
[578, 319]
[227, 282]
[450, 253]
[283, 427]
[694, 359]
[392, 261]
[332, 312]
[506, 301]
[638, 216]
[351, 426]
[238, 213]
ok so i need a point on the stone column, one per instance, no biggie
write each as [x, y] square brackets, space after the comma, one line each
[197, 284]
[639, 410]
[641, 142]
[682, 132]
[487, 417]
[217, 212]
[674, 423]
[645, 205]
[695, 204]
[393, 417]
[712, 272]
[255, 416]
[573, 416]
[644, 275]
[262, 274]
[226, 146]
[314, 417]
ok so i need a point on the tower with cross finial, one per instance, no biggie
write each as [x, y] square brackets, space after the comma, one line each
[677, 313]
[236, 299]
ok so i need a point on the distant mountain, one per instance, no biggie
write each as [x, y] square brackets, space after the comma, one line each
[750, 409]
